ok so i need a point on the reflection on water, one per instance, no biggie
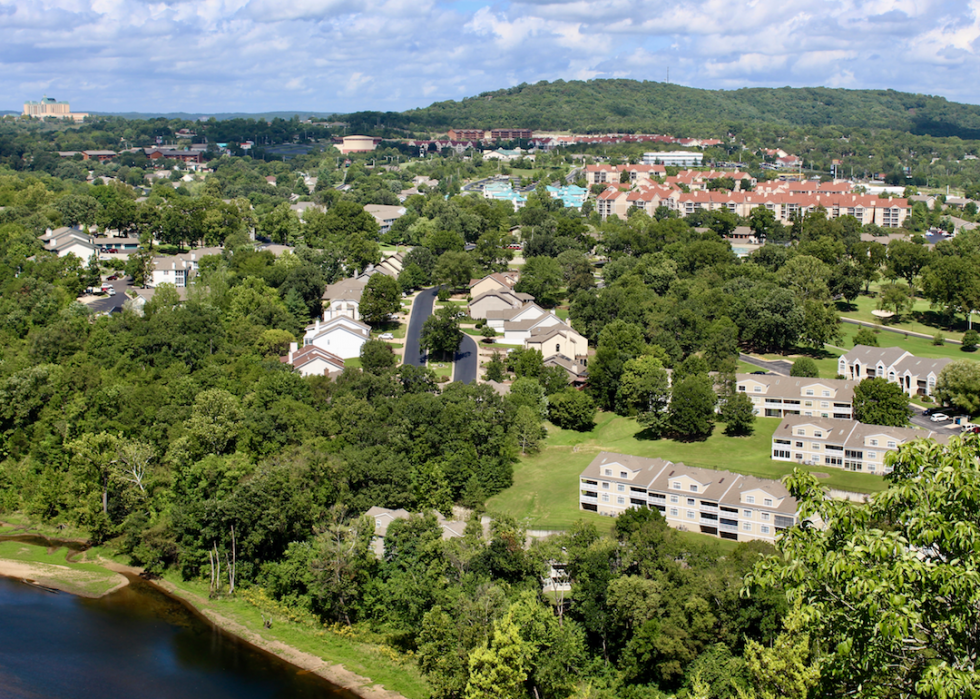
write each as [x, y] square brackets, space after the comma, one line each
[136, 642]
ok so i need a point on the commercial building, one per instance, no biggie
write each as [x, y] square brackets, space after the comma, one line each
[720, 503]
[50, 107]
[678, 158]
[846, 444]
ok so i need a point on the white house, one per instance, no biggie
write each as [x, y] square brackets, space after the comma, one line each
[312, 361]
[341, 336]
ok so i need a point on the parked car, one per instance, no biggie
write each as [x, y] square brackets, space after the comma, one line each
[386, 336]
[931, 411]
[759, 373]
[111, 291]
[112, 277]
[939, 417]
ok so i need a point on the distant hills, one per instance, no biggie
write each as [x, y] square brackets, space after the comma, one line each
[611, 105]
[192, 116]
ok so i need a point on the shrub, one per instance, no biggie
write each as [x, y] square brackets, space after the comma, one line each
[866, 337]
[443, 294]
[971, 338]
[806, 367]
[938, 339]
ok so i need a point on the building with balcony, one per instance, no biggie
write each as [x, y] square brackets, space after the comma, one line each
[720, 503]
[780, 396]
[846, 444]
[916, 375]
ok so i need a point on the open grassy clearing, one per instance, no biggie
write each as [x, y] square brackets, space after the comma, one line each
[919, 346]
[546, 485]
[921, 318]
[52, 567]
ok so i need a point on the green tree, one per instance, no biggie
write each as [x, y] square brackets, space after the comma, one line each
[738, 414]
[866, 337]
[880, 402]
[971, 338]
[215, 421]
[805, 367]
[377, 357]
[500, 668]
[644, 391]
[454, 269]
[959, 384]
[495, 368]
[721, 343]
[878, 601]
[527, 429]
[619, 342]
[906, 259]
[97, 454]
[380, 300]
[140, 264]
[895, 298]
[692, 408]
[542, 278]
[572, 410]
[786, 669]
[440, 332]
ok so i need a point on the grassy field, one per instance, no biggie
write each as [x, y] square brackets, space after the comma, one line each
[745, 368]
[52, 566]
[826, 359]
[921, 318]
[546, 485]
[919, 346]
[358, 651]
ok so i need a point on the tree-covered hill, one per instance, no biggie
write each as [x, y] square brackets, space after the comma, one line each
[607, 105]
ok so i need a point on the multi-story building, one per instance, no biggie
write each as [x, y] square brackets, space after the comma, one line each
[680, 158]
[846, 444]
[719, 503]
[916, 375]
[779, 396]
[510, 134]
[465, 134]
[50, 107]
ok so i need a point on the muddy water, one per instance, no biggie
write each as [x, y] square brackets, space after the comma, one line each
[134, 643]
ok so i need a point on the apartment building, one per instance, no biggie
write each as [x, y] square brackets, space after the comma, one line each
[916, 375]
[719, 503]
[846, 444]
[780, 396]
[679, 158]
[50, 107]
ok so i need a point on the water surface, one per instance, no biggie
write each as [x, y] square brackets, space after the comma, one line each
[136, 642]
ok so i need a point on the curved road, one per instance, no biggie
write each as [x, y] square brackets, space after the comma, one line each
[467, 356]
[421, 310]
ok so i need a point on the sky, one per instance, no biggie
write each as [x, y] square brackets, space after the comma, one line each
[349, 55]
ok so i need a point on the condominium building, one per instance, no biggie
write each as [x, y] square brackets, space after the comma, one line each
[846, 444]
[719, 503]
[681, 158]
[916, 375]
[50, 107]
[780, 396]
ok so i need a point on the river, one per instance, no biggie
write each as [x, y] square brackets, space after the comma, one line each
[136, 642]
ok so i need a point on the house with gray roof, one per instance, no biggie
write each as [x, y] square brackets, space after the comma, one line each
[916, 376]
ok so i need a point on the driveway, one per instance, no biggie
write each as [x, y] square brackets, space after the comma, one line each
[111, 304]
[779, 366]
[421, 310]
[467, 360]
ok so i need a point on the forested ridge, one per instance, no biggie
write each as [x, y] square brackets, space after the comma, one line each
[654, 107]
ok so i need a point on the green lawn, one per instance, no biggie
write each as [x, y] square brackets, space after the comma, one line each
[921, 318]
[396, 328]
[441, 368]
[919, 346]
[745, 368]
[53, 567]
[545, 489]
[826, 359]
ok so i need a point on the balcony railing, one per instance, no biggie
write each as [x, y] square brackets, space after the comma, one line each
[589, 499]
[728, 528]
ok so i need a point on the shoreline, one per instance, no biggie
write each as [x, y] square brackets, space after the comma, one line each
[59, 577]
[334, 673]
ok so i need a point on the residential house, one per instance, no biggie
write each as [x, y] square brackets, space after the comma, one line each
[497, 280]
[339, 335]
[557, 339]
[916, 375]
[179, 269]
[385, 215]
[719, 503]
[70, 241]
[846, 444]
[383, 518]
[312, 360]
[576, 368]
[497, 300]
[391, 265]
[343, 298]
[778, 396]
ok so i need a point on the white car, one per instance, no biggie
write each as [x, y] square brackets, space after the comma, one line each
[939, 417]
[386, 336]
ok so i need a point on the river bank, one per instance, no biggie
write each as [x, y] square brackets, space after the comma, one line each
[365, 669]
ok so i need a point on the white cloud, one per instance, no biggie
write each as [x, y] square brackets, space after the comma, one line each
[252, 55]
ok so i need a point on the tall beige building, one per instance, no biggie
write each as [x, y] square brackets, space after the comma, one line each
[50, 107]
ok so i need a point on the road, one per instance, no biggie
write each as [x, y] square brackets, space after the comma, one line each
[467, 360]
[111, 304]
[779, 366]
[421, 310]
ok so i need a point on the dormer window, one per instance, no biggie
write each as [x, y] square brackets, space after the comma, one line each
[676, 485]
[623, 474]
[818, 435]
[608, 471]
[801, 432]
[809, 391]
[826, 394]
[694, 489]
[767, 502]
[750, 499]
[874, 442]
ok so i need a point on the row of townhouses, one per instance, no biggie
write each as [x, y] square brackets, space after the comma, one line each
[916, 375]
[719, 503]
[773, 395]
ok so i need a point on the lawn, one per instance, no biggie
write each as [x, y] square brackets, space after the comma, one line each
[919, 346]
[441, 368]
[825, 359]
[745, 368]
[921, 318]
[396, 328]
[52, 566]
[546, 485]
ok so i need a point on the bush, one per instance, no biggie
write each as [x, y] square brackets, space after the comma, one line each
[866, 337]
[971, 338]
[443, 294]
[806, 367]
[938, 339]
[572, 410]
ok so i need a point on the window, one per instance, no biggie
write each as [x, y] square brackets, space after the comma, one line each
[676, 485]
[694, 489]
[824, 404]
[608, 471]
[757, 389]
[780, 454]
[808, 404]
[801, 432]
[891, 445]
[690, 514]
[606, 486]
[557, 347]
[620, 487]
[673, 498]
[623, 474]
[809, 391]
[746, 526]
[874, 442]
[673, 511]
[750, 499]
[742, 389]
[798, 445]
[767, 502]
[826, 394]
[605, 497]
[765, 516]
[764, 529]
[872, 454]
[690, 502]
[815, 446]
[747, 513]
[818, 435]
[620, 500]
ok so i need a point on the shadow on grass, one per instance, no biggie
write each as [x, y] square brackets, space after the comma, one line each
[651, 435]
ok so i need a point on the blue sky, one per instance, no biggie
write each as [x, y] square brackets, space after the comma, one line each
[345, 55]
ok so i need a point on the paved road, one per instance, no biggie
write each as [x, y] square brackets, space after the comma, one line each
[467, 360]
[421, 309]
[111, 304]
[779, 366]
